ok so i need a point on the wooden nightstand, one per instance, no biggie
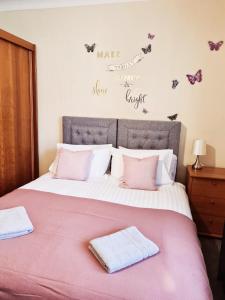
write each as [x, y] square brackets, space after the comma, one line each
[221, 271]
[206, 192]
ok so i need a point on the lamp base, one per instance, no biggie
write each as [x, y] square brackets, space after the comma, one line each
[197, 164]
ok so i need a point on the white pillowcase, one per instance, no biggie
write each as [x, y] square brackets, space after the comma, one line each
[173, 167]
[100, 161]
[164, 163]
[83, 147]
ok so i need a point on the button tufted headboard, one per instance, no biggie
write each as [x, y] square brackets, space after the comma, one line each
[87, 131]
[133, 134]
[139, 134]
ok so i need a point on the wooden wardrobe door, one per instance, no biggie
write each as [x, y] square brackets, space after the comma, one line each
[17, 129]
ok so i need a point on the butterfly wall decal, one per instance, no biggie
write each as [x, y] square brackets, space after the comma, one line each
[147, 49]
[172, 117]
[215, 46]
[151, 36]
[90, 48]
[175, 83]
[145, 111]
[195, 78]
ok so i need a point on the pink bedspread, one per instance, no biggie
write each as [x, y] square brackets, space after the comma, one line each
[54, 262]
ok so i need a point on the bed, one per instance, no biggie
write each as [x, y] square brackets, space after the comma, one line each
[54, 261]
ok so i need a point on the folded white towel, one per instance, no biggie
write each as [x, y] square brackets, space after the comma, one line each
[14, 222]
[122, 249]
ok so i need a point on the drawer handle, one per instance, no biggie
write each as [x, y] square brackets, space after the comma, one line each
[212, 202]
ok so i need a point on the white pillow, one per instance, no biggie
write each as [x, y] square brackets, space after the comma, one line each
[100, 161]
[164, 154]
[173, 167]
[164, 163]
[83, 147]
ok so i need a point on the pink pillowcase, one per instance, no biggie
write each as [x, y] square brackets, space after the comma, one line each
[140, 173]
[73, 165]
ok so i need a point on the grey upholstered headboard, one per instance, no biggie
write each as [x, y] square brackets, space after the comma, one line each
[133, 134]
[81, 130]
[139, 134]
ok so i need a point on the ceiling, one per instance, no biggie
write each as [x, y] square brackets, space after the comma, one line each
[9, 5]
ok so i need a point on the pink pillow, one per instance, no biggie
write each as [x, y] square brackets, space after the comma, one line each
[73, 165]
[140, 173]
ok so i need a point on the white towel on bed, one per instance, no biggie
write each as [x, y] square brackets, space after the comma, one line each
[122, 249]
[14, 222]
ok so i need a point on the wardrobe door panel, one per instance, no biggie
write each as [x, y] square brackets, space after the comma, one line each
[16, 116]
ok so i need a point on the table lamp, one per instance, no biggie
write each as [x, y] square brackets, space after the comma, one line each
[199, 148]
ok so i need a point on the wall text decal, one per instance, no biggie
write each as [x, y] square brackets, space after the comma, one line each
[129, 78]
[126, 65]
[136, 100]
[126, 84]
[108, 54]
[98, 90]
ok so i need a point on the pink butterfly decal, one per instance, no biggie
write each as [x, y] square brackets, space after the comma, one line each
[151, 36]
[197, 77]
[215, 46]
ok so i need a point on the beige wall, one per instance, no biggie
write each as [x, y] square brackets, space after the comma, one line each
[67, 74]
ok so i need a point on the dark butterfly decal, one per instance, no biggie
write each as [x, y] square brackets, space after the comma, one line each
[175, 83]
[215, 46]
[193, 78]
[147, 49]
[172, 117]
[151, 36]
[90, 48]
[145, 111]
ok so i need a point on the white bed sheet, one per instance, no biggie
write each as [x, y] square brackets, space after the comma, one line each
[172, 197]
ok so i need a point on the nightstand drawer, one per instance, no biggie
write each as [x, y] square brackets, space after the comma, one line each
[206, 205]
[209, 225]
[208, 187]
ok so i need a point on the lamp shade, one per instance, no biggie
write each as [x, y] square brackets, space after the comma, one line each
[199, 147]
